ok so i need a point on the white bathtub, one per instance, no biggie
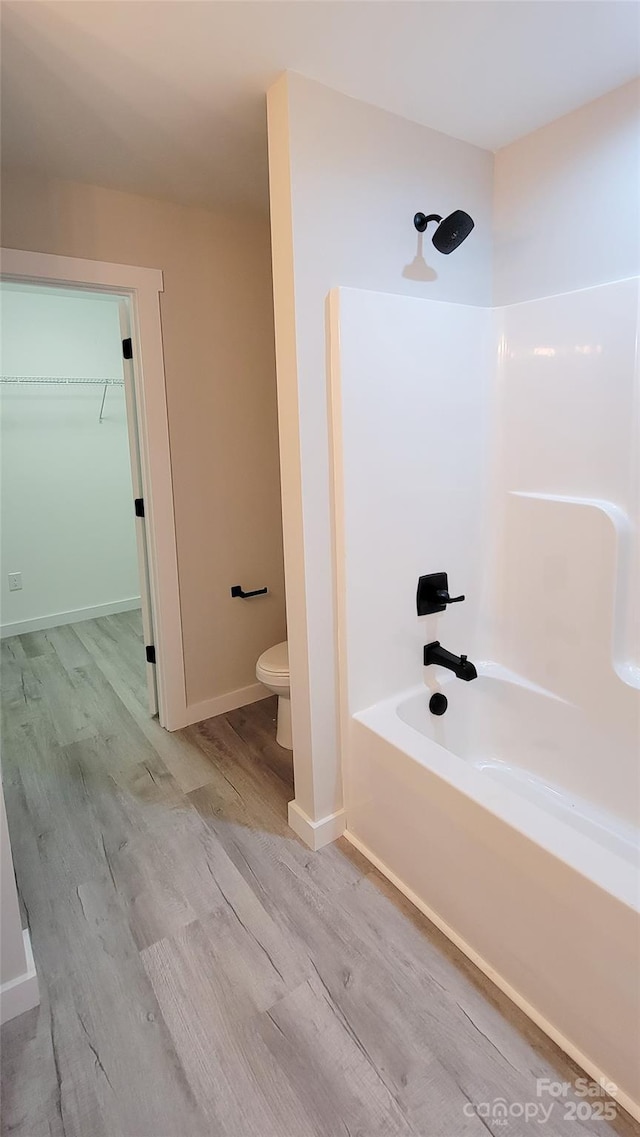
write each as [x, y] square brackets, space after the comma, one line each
[474, 817]
[538, 746]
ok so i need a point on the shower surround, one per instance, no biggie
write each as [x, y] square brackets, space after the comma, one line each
[500, 446]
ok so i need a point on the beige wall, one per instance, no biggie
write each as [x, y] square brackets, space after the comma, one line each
[219, 361]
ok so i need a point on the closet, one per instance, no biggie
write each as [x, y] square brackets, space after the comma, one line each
[68, 548]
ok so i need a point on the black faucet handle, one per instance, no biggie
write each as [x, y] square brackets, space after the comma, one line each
[444, 598]
[433, 594]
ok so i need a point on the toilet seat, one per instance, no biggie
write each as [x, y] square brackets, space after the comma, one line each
[272, 667]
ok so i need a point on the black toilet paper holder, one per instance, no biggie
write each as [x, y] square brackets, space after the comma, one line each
[237, 590]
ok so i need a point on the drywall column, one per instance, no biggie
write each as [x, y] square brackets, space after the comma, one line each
[346, 179]
[19, 983]
[310, 802]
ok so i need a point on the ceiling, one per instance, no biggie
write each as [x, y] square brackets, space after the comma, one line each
[166, 97]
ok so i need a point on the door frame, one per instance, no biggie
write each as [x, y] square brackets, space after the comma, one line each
[142, 287]
[137, 485]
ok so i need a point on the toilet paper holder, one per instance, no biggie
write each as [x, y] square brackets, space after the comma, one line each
[237, 590]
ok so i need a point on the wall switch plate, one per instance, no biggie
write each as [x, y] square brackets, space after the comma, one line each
[15, 581]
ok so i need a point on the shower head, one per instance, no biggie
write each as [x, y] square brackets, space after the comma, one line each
[450, 233]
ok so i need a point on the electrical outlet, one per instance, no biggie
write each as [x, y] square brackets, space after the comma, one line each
[15, 581]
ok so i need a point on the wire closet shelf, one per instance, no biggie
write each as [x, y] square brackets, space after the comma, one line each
[61, 381]
[65, 381]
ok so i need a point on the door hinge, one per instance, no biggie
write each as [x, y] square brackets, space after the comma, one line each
[150, 653]
[138, 505]
[127, 348]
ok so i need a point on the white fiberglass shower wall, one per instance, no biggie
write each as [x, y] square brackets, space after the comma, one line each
[500, 446]
[565, 609]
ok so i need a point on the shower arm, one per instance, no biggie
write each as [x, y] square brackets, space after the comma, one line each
[421, 220]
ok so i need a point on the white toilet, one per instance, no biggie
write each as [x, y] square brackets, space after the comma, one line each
[272, 669]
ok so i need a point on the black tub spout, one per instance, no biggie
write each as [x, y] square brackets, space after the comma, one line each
[459, 664]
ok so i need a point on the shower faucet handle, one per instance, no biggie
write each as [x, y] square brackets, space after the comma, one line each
[433, 594]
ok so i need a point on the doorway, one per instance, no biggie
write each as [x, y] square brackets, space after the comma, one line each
[73, 537]
[95, 438]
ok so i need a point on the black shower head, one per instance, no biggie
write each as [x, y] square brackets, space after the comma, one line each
[450, 233]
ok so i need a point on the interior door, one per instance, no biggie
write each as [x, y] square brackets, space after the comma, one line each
[139, 495]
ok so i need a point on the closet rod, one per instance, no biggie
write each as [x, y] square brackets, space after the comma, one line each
[60, 382]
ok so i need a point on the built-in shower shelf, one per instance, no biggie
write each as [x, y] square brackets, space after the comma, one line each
[619, 519]
[627, 670]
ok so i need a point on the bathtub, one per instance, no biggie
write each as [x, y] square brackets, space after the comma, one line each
[466, 814]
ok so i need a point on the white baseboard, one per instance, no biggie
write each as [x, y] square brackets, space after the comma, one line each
[316, 834]
[220, 704]
[41, 623]
[20, 994]
[530, 1011]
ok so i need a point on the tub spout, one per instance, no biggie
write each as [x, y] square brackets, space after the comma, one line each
[466, 670]
[459, 664]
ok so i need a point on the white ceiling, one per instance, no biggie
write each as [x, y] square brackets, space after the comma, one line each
[166, 97]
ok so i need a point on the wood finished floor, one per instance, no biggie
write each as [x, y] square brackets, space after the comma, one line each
[202, 973]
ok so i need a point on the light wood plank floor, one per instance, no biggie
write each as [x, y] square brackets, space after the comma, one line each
[202, 972]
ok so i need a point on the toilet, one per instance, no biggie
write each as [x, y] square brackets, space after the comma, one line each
[272, 669]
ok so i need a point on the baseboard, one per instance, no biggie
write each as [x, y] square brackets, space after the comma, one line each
[41, 623]
[316, 834]
[20, 994]
[220, 704]
[530, 1011]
